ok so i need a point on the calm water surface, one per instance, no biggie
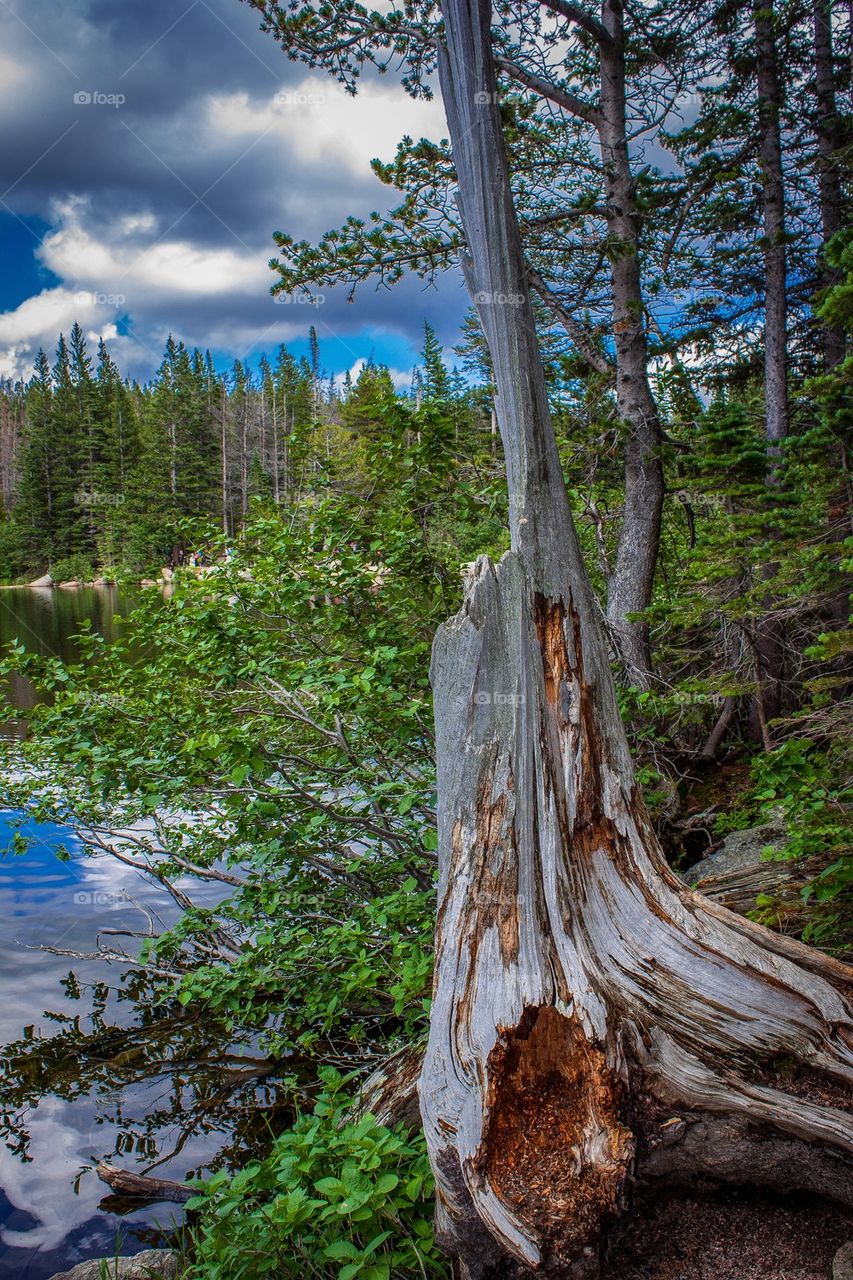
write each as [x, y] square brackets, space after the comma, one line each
[91, 1068]
[46, 620]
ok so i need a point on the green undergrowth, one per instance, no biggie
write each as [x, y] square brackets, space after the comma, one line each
[335, 1197]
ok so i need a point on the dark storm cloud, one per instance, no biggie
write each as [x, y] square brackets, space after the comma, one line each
[186, 150]
[164, 61]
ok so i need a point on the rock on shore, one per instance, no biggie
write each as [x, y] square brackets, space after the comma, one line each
[153, 1264]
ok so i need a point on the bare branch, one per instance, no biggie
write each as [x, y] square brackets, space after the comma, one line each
[581, 18]
[579, 336]
[538, 84]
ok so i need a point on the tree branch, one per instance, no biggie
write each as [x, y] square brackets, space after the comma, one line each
[579, 336]
[545, 89]
[581, 19]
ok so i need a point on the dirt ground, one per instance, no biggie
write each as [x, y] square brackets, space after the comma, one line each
[733, 1236]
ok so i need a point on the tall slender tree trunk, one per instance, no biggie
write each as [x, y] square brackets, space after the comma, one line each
[828, 148]
[631, 582]
[773, 212]
[173, 458]
[829, 135]
[629, 585]
[262, 443]
[593, 1020]
[287, 476]
[276, 473]
[769, 640]
[244, 457]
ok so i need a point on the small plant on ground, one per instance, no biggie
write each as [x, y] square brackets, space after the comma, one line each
[336, 1197]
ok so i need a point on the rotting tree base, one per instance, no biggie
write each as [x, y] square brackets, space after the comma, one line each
[595, 1022]
[555, 1147]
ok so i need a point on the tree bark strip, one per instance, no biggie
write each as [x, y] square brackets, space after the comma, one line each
[828, 148]
[592, 1018]
[630, 585]
[775, 256]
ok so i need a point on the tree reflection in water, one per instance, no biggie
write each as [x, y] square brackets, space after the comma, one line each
[157, 1075]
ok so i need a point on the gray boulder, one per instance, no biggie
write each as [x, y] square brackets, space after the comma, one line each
[842, 1263]
[739, 850]
[737, 876]
[153, 1264]
[45, 581]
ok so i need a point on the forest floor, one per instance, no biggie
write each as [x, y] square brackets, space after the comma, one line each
[731, 1236]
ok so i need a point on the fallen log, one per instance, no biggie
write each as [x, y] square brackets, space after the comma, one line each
[141, 1186]
[740, 888]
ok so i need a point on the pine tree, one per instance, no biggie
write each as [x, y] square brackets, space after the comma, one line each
[239, 396]
[365, 409]
[436, 381]
[294, 400]
[117, 434]
[37, 489]
[69, 441]
[83, 433]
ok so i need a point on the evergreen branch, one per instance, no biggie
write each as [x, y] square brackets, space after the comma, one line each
[581, 18]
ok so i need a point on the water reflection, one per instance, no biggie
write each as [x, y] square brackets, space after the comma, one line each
[92, 1066]
[46, 619]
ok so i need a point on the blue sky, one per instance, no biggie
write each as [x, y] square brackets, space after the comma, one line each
[150, 149]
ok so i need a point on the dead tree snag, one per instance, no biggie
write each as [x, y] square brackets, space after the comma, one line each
[593, 1020]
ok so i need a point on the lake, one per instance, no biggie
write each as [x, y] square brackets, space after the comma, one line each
[92, 1067]
[46, 619]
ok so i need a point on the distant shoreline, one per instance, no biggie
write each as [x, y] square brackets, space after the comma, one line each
[99, 584]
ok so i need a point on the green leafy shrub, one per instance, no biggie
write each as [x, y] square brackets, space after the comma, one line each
[72, 568]
[800, 785]
[335, 1198]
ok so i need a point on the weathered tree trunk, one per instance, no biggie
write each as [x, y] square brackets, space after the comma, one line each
[223, 448]
[276, 473]
[593, 1020]
[630, 586]
[828, 148]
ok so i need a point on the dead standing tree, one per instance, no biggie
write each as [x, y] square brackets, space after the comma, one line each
[594, 1022]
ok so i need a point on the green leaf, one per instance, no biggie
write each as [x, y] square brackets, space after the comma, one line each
[386, 1183]
[341, 1249]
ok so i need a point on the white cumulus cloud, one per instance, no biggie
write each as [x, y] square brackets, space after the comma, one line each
[321, 123]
